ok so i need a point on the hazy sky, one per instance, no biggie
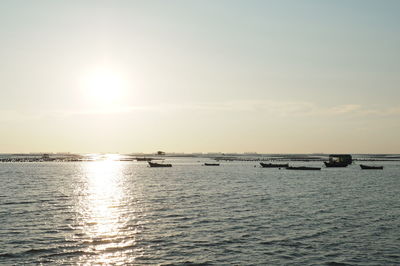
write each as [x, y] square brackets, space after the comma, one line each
[198, 76]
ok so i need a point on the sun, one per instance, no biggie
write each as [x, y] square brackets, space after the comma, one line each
[104, 87]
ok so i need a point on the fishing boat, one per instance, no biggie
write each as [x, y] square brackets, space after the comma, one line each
[274, 165]
[369, 167]
[336, 164]
[211, 164]
[302, 168]
[339, 160]
[153, 164]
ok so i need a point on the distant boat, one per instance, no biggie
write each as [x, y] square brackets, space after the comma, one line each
[339, 160]
[336, 164]
[143, 159]
[276, 165]
[211, 164]
[369, 167]
[302, 168]
[152, 164]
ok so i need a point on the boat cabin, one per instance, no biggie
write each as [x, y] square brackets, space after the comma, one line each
[340, 158]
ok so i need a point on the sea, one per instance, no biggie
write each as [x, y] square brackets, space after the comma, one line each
[109, 212]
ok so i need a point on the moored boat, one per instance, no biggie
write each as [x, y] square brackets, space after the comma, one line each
[143, 159]
[339, 160]
[153, 164]
[336, 164]
[370, 167]
[302, 168]
[274, 165]
[211, 164]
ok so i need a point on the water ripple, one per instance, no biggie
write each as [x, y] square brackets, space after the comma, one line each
[235, 214]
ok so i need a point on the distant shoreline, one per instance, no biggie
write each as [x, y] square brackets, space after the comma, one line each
[69, 157]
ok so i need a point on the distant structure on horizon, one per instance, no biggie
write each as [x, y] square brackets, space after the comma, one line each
[339, 160]
[160, 153]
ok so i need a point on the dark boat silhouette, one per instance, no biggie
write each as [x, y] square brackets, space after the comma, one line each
[336, 164]
[211, 164]
[369, 167]
[143, 159]
[302, 168]
[153, 164]
[339, 160]
[274, 165]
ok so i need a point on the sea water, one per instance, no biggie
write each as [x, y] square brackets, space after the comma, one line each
[110, 212]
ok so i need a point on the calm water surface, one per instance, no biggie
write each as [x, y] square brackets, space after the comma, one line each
[110, 212]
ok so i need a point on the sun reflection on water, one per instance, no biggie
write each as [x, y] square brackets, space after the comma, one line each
[104, 195]
[103, 213]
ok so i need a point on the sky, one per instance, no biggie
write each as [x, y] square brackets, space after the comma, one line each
[299, 76]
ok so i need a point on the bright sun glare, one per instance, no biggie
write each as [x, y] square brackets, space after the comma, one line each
[104, 87]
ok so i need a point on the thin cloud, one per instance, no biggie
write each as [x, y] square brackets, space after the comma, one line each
[345, 109]
[275, 108]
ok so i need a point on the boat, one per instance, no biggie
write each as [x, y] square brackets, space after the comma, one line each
[211, 164]
[143, 159]
[369, 167]
[302, 168]
[274, 165]
[153, 164]
[339, 160]
[336, 164]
